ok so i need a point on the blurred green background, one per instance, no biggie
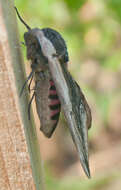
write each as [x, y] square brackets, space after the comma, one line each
[92, 31]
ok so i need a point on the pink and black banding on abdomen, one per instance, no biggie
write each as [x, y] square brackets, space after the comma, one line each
[54, 102]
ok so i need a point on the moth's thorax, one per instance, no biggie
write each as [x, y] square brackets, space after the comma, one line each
[58, 43]
[42, 75]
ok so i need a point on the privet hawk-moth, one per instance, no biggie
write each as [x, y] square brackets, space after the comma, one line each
[44, 48]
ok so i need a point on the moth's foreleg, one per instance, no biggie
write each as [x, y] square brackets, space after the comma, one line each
[28, 78]
[29, 106]
[30, 83]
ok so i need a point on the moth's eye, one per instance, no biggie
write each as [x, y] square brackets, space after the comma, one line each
[34, 65]
[35, 44]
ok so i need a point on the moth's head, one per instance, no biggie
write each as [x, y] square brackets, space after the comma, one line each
[31, 44]
[34, 51]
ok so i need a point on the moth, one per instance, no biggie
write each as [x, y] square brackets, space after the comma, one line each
[55, 88]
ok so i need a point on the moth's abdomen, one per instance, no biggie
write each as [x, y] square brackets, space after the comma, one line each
[54, 103]
[47, 104]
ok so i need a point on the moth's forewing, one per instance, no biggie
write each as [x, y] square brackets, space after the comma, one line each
[74, 108]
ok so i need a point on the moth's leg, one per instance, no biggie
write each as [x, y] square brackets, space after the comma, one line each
[28, 78]
[30, 83]
[41, 76]
[29, 106]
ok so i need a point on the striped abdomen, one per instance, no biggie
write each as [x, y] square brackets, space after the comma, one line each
[47, 104]
[54, 103]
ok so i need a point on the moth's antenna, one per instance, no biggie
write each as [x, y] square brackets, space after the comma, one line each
[22, 19]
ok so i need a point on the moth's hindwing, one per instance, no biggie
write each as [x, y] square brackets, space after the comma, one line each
[47, 103]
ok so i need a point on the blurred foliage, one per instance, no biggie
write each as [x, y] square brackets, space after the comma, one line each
[70, 184]
[92, 31]
[116, 7]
